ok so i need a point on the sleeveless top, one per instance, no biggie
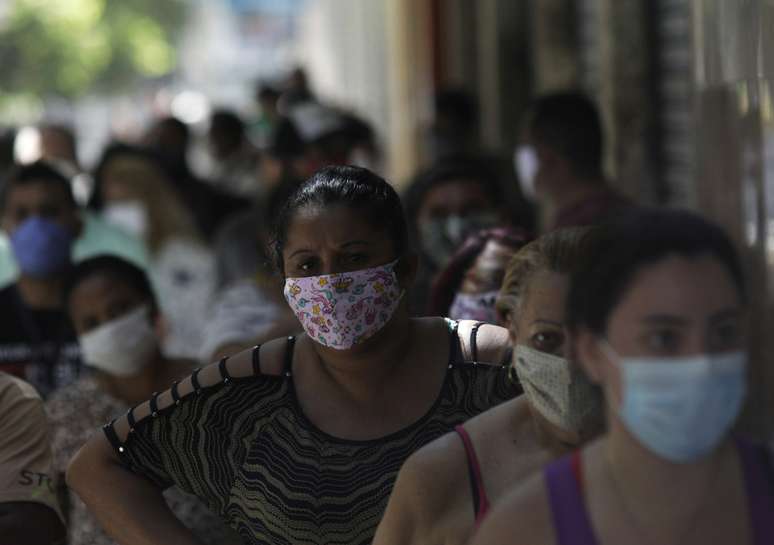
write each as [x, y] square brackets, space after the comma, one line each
[245, 447]
[572, 523]
[481, 504]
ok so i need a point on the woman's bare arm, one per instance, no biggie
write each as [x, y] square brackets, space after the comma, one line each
[130, 508]
[426, 497]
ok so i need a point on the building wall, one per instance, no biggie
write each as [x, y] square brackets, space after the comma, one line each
[374, 56]
[733, 123]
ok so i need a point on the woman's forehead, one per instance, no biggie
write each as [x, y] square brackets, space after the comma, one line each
[336, 225]
[546, 288]
[680, 285]
[103, 284]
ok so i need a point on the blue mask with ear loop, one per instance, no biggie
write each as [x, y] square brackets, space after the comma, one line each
[41, 247]
[681, 408]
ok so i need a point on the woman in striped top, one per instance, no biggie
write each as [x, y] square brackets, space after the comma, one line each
[300, 440]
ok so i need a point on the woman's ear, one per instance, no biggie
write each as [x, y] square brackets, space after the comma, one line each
[585, 348]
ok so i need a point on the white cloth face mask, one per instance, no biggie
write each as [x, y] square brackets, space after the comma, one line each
[557, 390]
[131, 216]
[121, 347]
[527, 164]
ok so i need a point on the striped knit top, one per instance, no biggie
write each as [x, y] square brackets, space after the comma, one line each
[244, 446]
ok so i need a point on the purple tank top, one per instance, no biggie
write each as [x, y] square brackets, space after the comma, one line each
[573, 525]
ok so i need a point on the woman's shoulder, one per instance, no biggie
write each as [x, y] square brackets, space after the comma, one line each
[260, 366]
[498, 420]
[435, 476]
[478, 341]
[488, 343]
[441, 462]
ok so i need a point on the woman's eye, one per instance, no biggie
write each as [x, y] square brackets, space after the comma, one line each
[548, 341]
[664, 340]
[357, 258]
[306, 266]
[727, 336]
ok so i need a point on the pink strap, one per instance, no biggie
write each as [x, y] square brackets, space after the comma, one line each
[577, 468]
[480, 500]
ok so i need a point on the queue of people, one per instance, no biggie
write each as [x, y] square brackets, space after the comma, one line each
[317, 359]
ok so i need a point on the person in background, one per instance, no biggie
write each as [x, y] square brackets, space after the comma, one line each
[454, 130]
[286, 159]
[39, 214]
[445, 490]
[95, 237]
[7, 140]
[446, 204]
[29, 510]
[262, 129]
[236, 168]
[324, 132]
[299, 440]
[59, 148]
[58, 145]
[169, 139]
[560, 163]
[114, 311]
[132, 192]
[248, 308]
[467, 288]
[295, 90]
[658, 321]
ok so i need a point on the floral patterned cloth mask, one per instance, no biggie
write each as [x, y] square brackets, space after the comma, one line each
[475, 306]
[342, 310]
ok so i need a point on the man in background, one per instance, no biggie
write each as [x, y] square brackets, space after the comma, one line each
[40, 217]
[559, 163]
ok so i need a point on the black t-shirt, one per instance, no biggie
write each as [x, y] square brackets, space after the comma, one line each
[38, 346]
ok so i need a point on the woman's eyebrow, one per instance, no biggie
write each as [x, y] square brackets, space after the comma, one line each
[664, 319]
[726, 314]
[300, 251]
[354, 243]
[547, 322]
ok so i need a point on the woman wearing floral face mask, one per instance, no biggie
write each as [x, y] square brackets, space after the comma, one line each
[467, 288]
[300, 440]
[113, 310]
[445, 490]
[659, 323]
[453, 199]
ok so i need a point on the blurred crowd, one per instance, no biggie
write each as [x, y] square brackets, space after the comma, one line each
[327, 300]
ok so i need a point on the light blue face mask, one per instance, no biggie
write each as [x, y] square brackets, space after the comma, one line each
[681, 408]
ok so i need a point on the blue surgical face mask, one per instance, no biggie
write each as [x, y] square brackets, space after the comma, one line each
[681, 408]
[41, 247]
